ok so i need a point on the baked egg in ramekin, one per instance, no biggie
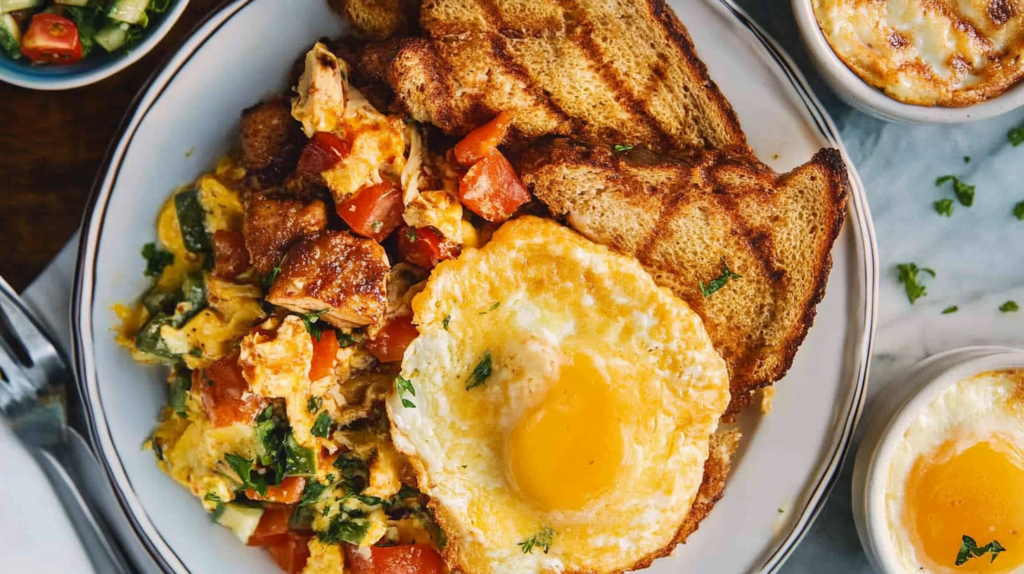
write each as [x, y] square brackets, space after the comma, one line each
[938, 483]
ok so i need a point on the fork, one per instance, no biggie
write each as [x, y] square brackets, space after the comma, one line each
[33, 400]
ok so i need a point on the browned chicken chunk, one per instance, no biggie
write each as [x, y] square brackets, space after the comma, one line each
[271, 141]
[334, 271]
[271, 226]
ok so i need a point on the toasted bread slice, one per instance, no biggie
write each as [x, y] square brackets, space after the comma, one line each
[622, 72]
[682, 218]
[379, 19]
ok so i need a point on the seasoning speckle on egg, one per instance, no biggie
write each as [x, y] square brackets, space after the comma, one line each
[560, 393]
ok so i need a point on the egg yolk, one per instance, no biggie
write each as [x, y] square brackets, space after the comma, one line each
[569, 448]
[977, 491]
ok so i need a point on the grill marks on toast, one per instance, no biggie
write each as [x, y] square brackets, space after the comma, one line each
[680, 217]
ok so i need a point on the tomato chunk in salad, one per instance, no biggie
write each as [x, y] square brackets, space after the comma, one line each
[273, 527]
[481, 141]
[374, 211]
[292, 552]
[492, 189]
[402, 559]
[51, 39]
[288, 492]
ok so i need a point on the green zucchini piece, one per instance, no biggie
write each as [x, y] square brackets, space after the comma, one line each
[129, 11]
[157, 302]
[191, 299]
[7, 6]
[181, 384]
[10, 35]
[192, 221]
[241, 519]
[150, 341]
[299, 460]
[112, 37]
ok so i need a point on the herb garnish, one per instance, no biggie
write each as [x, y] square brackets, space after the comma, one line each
[908, 276]
[1016, 136]
[311, 493]
[489, 309]
[950, 310]
[212, 497]
[156, 259]
[322, 426]
[243, 468]
[314, 404]
[540, 540]
[712, 287]
[1018, 211]
[964, 192]
[969, 549]
[480, 373]
[621, 148]
[376, 225]
[1009, 307]
[313, 324]
[404, 386]
[944, 207]
[445, 322]
[269, 279]
[967, 159]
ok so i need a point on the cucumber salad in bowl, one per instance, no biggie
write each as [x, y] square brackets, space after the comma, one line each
[61, 32]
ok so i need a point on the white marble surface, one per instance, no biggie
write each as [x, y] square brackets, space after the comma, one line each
[978, 256]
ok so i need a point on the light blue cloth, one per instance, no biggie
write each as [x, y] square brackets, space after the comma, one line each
[978, 255]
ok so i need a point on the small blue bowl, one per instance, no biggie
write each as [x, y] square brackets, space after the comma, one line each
[95, 67]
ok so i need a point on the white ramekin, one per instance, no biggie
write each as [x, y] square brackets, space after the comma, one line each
[870, 100]
[915, 389]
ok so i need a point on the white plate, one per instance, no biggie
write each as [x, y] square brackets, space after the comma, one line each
[188, 117]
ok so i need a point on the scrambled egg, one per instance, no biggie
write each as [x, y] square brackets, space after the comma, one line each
[556, 395]
[324, 558]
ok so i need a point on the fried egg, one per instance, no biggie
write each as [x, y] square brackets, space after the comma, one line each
[958, 471]
[556, 406]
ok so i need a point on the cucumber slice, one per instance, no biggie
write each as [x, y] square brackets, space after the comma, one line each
[112, 37]
[241, 519]
[129, 11]
[10, 35]
[15, 5]
[73, 2]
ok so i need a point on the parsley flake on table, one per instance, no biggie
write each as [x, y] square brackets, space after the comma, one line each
[1009, 307]
[967, 159]
[1016, 136]
[1018, 211]
[964, 191]
[944, 207]
[969, 549]
[712, 287]
[950, 310]
[908, 276]
[404, 386]
[541, 540]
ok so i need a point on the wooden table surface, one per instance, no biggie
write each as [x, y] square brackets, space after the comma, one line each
[51, 147]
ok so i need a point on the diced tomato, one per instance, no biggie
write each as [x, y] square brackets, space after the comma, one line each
[273, 526]
[492, 189]
[425, 247]
[404, 559]
[292, 553]
[481, 141]
[230, 256]
[390, 343]
[51, 39]
[288, 492]
[226, 399]
[374, 211]
[323, 152]
[325, 351]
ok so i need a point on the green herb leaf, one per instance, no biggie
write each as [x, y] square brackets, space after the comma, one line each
[964, 192]
[1009, 307]
[404, 386]
[480, 373]
[950, 310]
[1016, 136]
[1018, 211]
[243, 468]
[212, 497]
[908, 276]
[314, 404]
[621, 148]
[343, 529]
[541, 540]
[944, 207]
[967, 159]
[311, 494]
[969, 549]
[269, 279]
[313, 324]
[322, 426]
[491, 308]
[445, 322]
[156, 259]
[712, 287]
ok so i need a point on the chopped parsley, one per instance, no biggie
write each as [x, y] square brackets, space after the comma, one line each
[964, 192]
[1018, 211]
[944, 207]
[950, 310]
[908, 273]
[156, 259]
[322, 426]
[541, 540]
[1009, 307]
[376, 225]
[312, 493]
[967, 159]
[445, 322]
[621, 148]
[243, 468]
[314, 404]
[404, 386]
[269, 279]
[712, 287]
[1016, 136]
[969, 549]
[313, 323]
[344, 529]
[489, 309]
[410, 234]
[480, 373]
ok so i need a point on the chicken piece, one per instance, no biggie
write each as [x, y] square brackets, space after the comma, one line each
[320, 103]
[271, 141]
[336, 272]
[272, 225]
